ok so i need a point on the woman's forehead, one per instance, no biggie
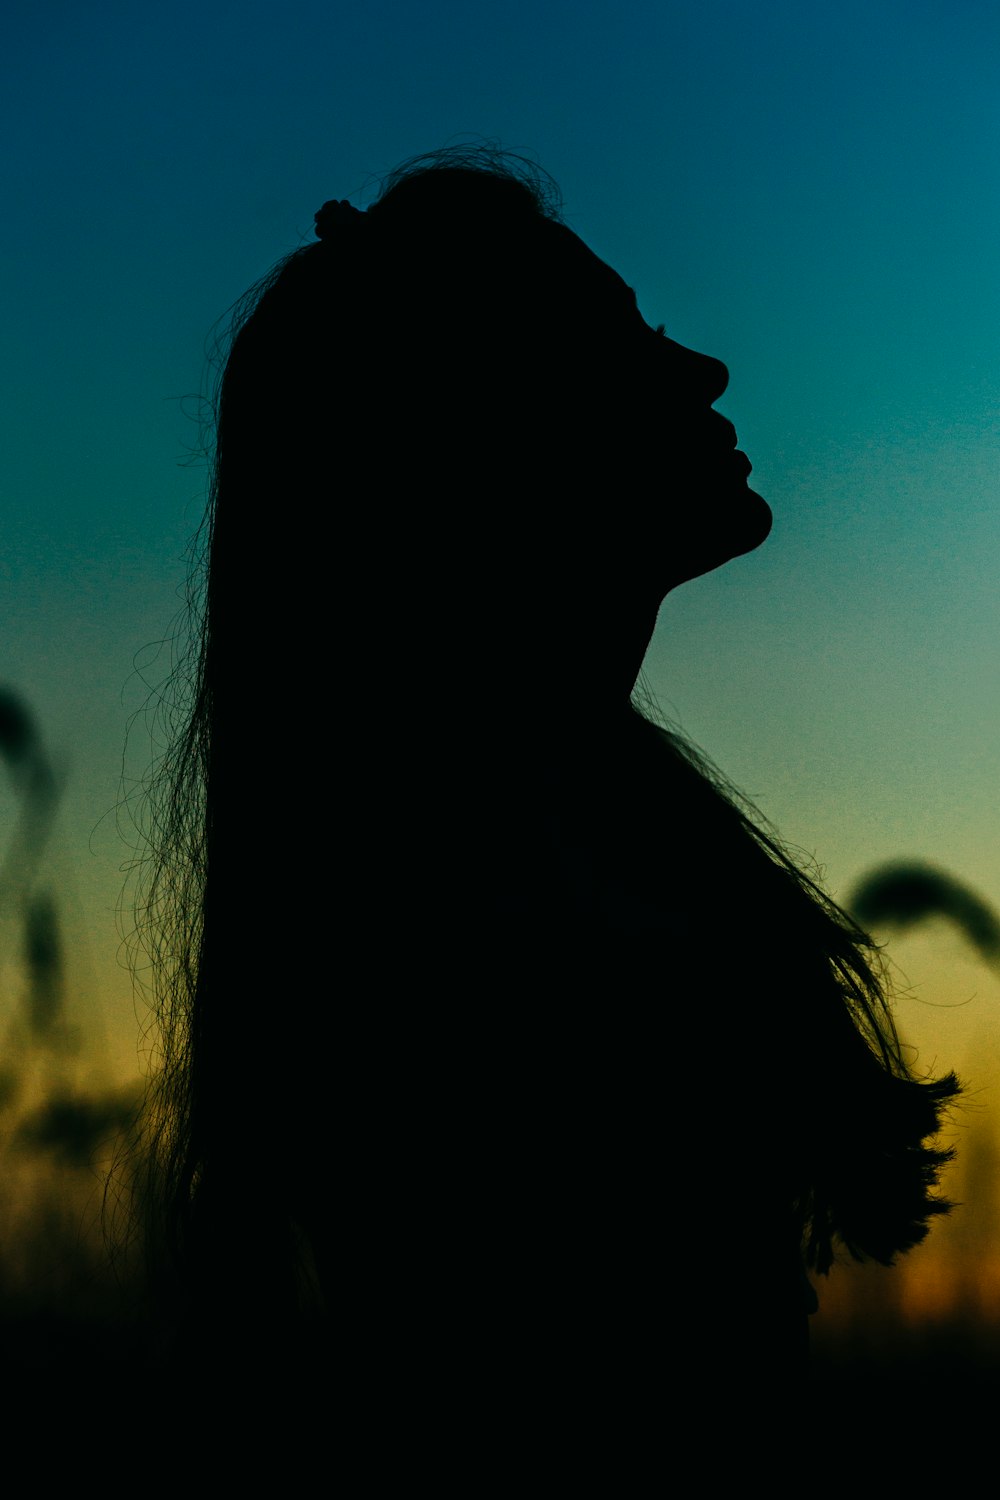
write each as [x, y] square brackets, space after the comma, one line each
[598, 283]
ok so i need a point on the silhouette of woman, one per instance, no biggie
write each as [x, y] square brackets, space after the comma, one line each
[504, 1052]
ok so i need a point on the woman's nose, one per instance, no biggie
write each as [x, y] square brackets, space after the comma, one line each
[706, 376]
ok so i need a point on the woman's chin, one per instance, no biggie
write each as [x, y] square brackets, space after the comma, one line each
[755, 522]
[742, 530]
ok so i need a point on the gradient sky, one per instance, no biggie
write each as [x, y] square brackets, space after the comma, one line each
[812, 194]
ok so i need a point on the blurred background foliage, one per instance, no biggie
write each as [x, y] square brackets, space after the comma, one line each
[69, 1140]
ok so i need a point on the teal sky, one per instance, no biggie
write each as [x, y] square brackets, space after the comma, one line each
[811, 194]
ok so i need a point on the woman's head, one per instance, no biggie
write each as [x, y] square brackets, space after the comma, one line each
[473, 398]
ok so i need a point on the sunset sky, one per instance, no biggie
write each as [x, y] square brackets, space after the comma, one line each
[811, 194]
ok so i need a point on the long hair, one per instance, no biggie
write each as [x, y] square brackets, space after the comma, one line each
[260, 975]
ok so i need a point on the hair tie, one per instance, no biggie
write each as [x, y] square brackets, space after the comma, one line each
[334, 216]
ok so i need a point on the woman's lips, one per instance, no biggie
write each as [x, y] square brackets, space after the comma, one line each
[723, 435]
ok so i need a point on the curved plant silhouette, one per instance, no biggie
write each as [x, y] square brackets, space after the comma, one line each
[905, 893]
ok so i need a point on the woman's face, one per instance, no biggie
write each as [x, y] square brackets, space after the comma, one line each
[714, 515]
[680, 483]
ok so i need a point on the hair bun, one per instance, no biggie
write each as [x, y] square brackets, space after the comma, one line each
[334, 215]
